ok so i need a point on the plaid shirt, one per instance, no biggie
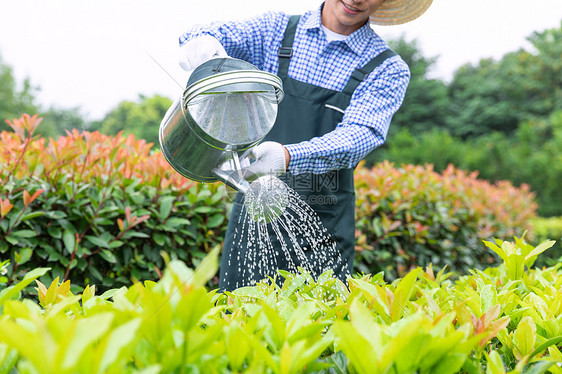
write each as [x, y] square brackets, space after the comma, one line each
[326, 64]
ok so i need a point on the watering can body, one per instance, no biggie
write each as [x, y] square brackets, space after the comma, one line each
[228, 107]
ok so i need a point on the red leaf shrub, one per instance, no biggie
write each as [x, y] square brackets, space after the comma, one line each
[412, 215]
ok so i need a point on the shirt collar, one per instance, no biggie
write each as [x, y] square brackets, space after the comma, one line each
[358, 41]
[313, 21]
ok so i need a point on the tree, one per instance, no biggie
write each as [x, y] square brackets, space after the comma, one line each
[57, 121]
[141, 119]
[500, 95]
[426, 103]
[14, 102]
[542, 68]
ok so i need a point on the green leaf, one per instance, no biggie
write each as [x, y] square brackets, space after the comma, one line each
[95, 273]
[177, 221]
[87, 331]
[8, 358]
[496, 249]
[515, 266]
[525, 336]
[277, 325]
[135, 234]
[357, 349]
[207, 268]
[494, 363]
[553, 341]
[192, 307]
[108, 256]
[23, 255]
[166, 204]
[450, 364]
[488, 298]
[26, 343]
[116, 244]
[32, 215]
[238, 347]
[56, 214]
[203, 209]
[472, 366]
[403, 293]
[55, 232]
[309, 350]
[338, 362]
[97, 241]
[14, 290]
[413, 338]
[364, 323]
[539, 367]
[69, 240]
[308, 331]
[159, 239]
[215, 220]
[120, 337]
[24, 233]
[300, 317]
[371, 294]
[540, 249]
[12, 239]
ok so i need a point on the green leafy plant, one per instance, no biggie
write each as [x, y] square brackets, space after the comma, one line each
[482, 322]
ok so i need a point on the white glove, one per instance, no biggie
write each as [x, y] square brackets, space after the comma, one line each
[269, 160]
[200, 50]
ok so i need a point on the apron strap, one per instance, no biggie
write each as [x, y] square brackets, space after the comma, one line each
[360, 73]
[286, 50]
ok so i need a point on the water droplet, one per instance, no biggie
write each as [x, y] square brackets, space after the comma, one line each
[278, 227]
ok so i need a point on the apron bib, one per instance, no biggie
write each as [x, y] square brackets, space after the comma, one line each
[307, 111]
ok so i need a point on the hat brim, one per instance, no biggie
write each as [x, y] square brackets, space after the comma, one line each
[396, 12]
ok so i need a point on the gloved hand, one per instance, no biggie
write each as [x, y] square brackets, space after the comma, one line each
[200, 50]
[270, 159]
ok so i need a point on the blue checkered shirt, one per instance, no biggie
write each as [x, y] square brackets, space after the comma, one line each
[326, 64]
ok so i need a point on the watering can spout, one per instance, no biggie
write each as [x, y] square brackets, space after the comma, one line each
[233, 179]
[229, 172]
[265, 199]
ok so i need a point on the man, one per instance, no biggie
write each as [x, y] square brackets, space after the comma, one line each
[342, 86]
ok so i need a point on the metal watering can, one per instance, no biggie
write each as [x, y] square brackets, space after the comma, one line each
[228, 107]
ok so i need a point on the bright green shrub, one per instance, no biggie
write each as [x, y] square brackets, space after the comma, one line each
[412, 216]
[99, 209]
[544, 228]
[498, 320]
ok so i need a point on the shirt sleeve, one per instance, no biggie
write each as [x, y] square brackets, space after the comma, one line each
[245, 40]
[364, 126]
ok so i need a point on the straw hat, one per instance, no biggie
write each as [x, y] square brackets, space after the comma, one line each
[396, 12]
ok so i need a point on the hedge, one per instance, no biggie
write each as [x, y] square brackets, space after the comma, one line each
[411, 215]
[99, 209]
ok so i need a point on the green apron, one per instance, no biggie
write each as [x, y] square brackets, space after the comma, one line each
[307, 111]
